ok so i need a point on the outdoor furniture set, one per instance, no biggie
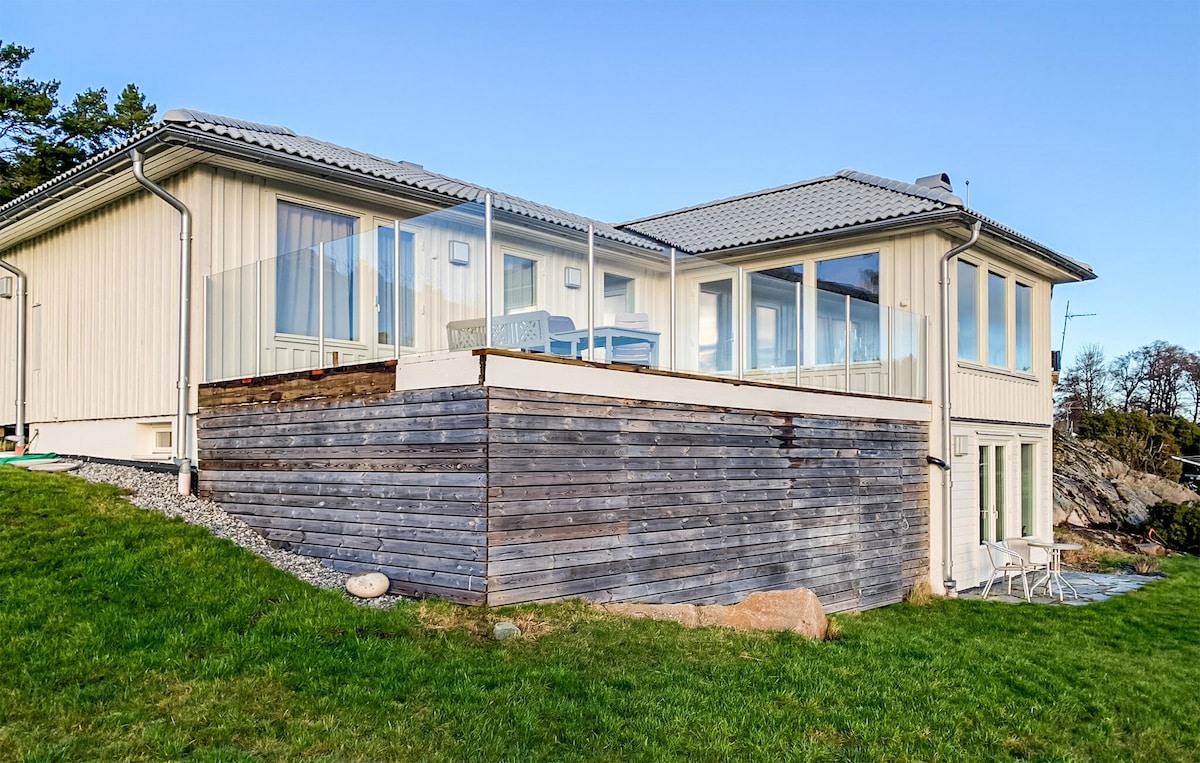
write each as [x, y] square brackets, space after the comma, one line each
[1015, 557]
[628, 340]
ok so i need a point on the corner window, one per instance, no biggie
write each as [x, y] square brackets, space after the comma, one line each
[1023, 327]
[968, 311]
[300, 232]
[997, 312]
[520, 284]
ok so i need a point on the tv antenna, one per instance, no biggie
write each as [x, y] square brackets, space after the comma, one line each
[1068, 316]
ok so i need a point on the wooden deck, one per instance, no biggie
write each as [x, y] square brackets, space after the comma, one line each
[489, 495]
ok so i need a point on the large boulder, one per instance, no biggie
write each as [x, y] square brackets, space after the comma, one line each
[367, 585]
[797, 610]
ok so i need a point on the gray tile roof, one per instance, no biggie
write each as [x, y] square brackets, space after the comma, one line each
[405, 173]
[843, 200]
[272, 138]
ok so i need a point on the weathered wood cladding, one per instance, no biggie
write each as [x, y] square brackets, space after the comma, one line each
[615, 499]
[394, 482]
[359, 379]
[493, 495]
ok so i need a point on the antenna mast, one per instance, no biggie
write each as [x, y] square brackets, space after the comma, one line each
[1068, 316]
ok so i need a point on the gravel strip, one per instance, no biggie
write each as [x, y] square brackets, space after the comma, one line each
[157, 491]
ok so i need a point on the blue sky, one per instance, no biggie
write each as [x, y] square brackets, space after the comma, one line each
[1077, 123]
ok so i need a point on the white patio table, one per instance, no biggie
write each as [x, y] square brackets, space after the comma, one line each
[1054, 569]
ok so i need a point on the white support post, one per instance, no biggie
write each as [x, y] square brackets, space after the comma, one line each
[799, 326]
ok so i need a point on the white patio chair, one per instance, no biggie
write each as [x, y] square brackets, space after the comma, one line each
[1005, 561]
[631, 352]
[1036, 559]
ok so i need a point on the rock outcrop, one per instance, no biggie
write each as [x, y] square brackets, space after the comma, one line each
[1093, 489]
[797, 610]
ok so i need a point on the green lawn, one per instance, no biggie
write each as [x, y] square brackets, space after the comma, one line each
[127, 636]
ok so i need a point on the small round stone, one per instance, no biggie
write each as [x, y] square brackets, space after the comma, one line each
[367, 585]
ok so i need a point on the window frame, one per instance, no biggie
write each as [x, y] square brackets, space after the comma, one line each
[537, 268]
[357, 296]
[983, 334]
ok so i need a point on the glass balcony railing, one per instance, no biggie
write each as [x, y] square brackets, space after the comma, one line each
[426, 285]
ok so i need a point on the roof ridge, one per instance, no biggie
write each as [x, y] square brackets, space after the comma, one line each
[739, 197]
[189, 116]
[899, 186]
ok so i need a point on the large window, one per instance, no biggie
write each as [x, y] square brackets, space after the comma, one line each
[968, 311]
[776, 298]
[997, 312]
[1028, 493]
[520, 284]
[300, 231]
[618, 297]
[848, 285]
[715, 326]
[1024, 327]
[386, 287]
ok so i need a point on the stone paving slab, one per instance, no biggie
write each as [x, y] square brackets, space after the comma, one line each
[1090, 586]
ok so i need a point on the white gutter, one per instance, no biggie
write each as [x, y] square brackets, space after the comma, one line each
[944, 463]
[185, 315]
[22, 334]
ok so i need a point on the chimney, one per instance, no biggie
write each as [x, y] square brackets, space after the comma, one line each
[937, 182]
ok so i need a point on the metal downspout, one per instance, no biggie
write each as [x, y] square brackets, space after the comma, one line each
[185, 315]
[22, 335]
[944, 463]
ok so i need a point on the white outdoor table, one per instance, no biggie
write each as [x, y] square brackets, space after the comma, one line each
[1054, 569]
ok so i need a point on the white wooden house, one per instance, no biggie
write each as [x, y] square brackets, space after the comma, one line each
[769, 365]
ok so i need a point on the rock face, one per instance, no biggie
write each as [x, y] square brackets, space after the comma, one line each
[1092, 488]
[367, 585]
[797, 610]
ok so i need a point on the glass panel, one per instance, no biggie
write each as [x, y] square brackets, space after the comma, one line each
[389, 258]
[520, 284]
[1024, 327]
[341, 289]
[633, 303]
[1000, 489]
[298, 232]
[231, 317]
[997, 321]
[776, 307]
[985, 490]
[856, 278]
[1027, 506]
[968, 311]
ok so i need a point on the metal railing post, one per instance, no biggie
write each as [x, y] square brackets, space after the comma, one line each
[396, 290]
[487, 270]
[799, 327]
[206, 337]
[258, 318]
[591, 316]
[674, 317]
[321, 305]
[740, 330]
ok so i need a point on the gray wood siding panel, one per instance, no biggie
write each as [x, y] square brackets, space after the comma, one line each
[500, 496]
[394, 482]
[613, 499]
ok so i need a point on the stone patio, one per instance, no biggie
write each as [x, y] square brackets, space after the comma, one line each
[1091, 586]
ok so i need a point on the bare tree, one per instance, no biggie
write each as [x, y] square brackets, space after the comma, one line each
[1167, 377]
[1128, 374]
[1192, 383]
[1084, 388]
